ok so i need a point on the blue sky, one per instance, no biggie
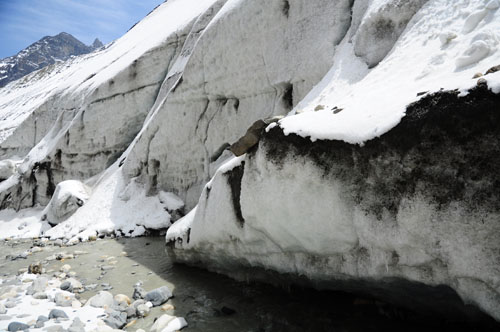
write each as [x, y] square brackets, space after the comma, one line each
[23, 22]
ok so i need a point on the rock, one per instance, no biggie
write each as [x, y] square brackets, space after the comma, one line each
[76, 304]
[68, 197]
[167, 307]
[40, 296]
[16, 326]
[63, 300]
[122, 298]
[10, 304]
[143, 310]
[3, 310]
[5, 317]
[139, 293]
[158, 296]
[492, 70]
[161, 323]
[36, 249]
[129, 324]
[116, 320]
[42, 319]
[58, 243]
[131, 311]
[23, 316]
[138, 302]
[56, 313]
[54, 328]
[101, 299]
[11, 293]
[107, 267]
[65, 268]
[77, 326]
[7, 168]
[39, 286]
[90, 287]
[66, 286]
[35, 268]
[227, 311]
[175, 324]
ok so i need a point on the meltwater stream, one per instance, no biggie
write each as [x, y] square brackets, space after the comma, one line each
[212, 302]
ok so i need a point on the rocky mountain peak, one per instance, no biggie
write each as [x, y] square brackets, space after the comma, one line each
[97, 43]
[44, 52]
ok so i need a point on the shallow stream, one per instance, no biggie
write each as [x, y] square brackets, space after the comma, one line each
[212, 302]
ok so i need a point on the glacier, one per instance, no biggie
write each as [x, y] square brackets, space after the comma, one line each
[380, 175]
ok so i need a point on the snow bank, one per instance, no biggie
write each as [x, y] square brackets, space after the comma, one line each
[439, 49]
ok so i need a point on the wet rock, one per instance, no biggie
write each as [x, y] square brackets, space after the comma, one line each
[3, 310]
[116, 320]
[40, 296]
[35, 268]
[107, 267]
[35, 250]
[66, 286]
[143, 310]
[101, 299]
[77, 326]
[23, 255]
[90, 287]
[64, 255]
[158, 296]
[139, 293]
[63, 300]
[16, 326]
[227, 311]
[56, 313]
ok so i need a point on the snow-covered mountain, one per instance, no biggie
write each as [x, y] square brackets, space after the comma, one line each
[381, 177]
[46, 51]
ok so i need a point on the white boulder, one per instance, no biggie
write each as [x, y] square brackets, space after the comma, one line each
[68, 197]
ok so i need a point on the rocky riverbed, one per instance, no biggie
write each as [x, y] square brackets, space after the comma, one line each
[131, 284]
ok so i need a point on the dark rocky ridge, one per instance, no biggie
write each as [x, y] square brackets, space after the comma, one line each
[44, 52]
